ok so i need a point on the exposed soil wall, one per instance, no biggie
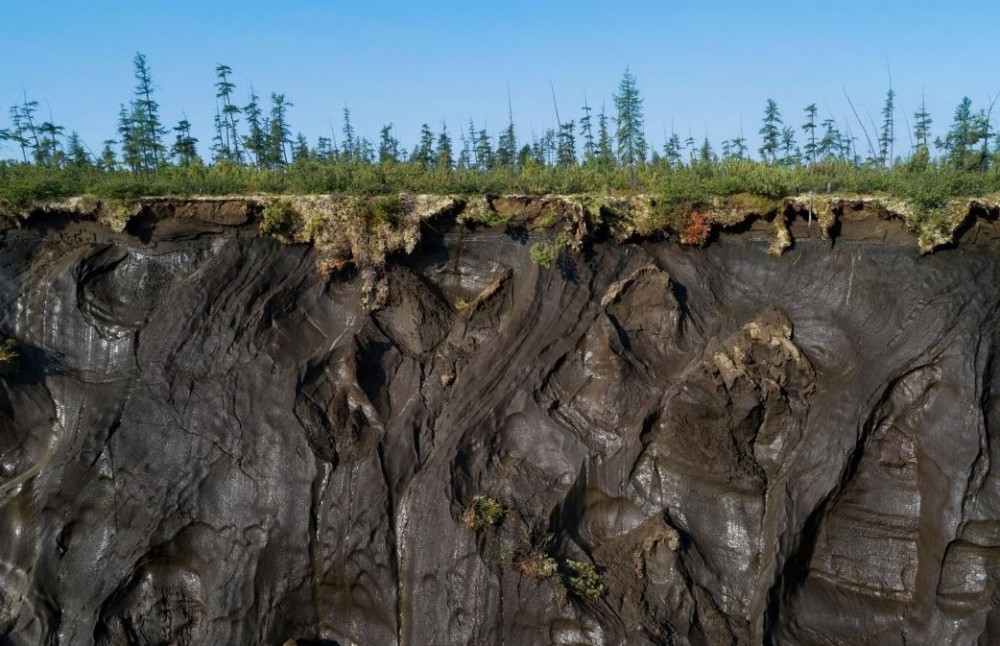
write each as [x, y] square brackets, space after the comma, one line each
[420, 435]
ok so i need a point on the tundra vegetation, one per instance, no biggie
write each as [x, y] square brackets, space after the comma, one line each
[253, 151]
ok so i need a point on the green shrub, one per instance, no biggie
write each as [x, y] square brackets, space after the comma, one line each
[480, 211]
[545, 254]
[582, 579]
[536, 564]
[9, 356]
[483, 513]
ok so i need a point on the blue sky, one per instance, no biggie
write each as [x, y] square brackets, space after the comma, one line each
[701, 66]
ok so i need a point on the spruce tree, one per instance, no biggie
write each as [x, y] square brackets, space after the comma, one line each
[6, 134]
[538, 150]
[566, 147]
[830, 145]
[444, 154]
[672, 150]
[423, 154]
[49, 152]
[922, 126]
[524, 156]
[224, 91]
[279, 137]
[76, 153]
[484, 150]
[220, 151]
[957, 142]
[324, 150]
[549, 147]
[507, 143]
[19, 134]
[365, 151]
[350, 141]
[770, 132]
[108, 163]
[185, 146]
[789, 152]
[256, 140]
[887, 134]
[809, 127]
[605, 156]
[300, 149]
[388, 147]
[962, 144]
[147, 129]
[131, 154]
[27, 123]
[464, 154]
[587, 133]
[471, 136]
[507, 147]
[739, 145]
[706, 156]
[629, 123]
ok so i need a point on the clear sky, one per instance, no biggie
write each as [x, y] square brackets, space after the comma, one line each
[701, 66]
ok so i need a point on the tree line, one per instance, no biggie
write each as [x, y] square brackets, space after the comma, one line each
[257, 136]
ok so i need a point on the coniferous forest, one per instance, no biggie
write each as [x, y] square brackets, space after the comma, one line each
[255, 148]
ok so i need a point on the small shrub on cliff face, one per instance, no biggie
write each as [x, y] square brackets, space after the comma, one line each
[483, 513]
[9, 356]
[478, 209]
[545, 254]
[534, 558]
[531, 557]
[696, 232]
[583, 580]
[536, 564]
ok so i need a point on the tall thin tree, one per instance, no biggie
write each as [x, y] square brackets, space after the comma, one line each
[629, 122]
[809, 127]
[146, 116]
[770, 132]
[224, 91]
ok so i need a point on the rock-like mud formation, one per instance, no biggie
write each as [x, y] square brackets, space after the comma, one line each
[209, 440]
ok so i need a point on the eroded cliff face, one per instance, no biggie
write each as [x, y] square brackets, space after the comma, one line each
[211, 441]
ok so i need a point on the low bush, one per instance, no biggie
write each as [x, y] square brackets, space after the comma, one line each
[582, 579]
[697, 230]
[483, 513]
[545, 254]
[535, 564]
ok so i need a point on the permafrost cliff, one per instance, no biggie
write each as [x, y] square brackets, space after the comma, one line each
[214, 436]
